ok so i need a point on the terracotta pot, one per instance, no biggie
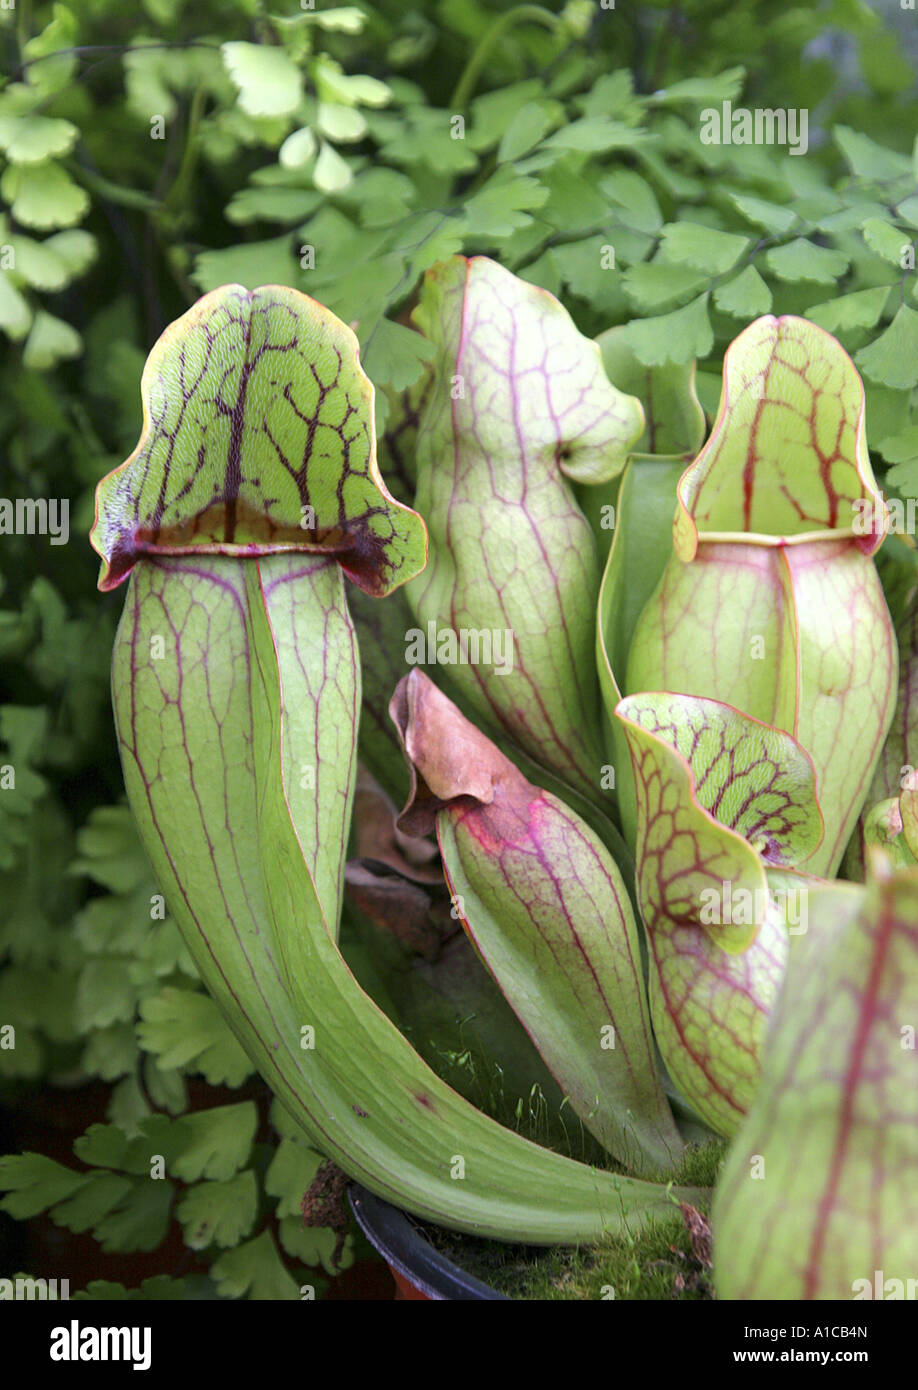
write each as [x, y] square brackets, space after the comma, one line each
[419, 1271]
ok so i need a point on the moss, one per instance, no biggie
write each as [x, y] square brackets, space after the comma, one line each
[665, 1260]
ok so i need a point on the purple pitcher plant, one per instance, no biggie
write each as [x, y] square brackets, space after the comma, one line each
[567, 771]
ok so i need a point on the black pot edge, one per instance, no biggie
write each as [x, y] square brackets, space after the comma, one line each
[392, 1234]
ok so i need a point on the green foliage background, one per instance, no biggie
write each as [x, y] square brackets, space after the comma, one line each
[151, 152]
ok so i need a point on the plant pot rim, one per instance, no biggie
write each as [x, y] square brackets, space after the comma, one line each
[389, 1231]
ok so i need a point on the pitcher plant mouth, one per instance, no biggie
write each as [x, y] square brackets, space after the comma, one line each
[258, 438]
[787, 541]
[360, 555]
[791, 399]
